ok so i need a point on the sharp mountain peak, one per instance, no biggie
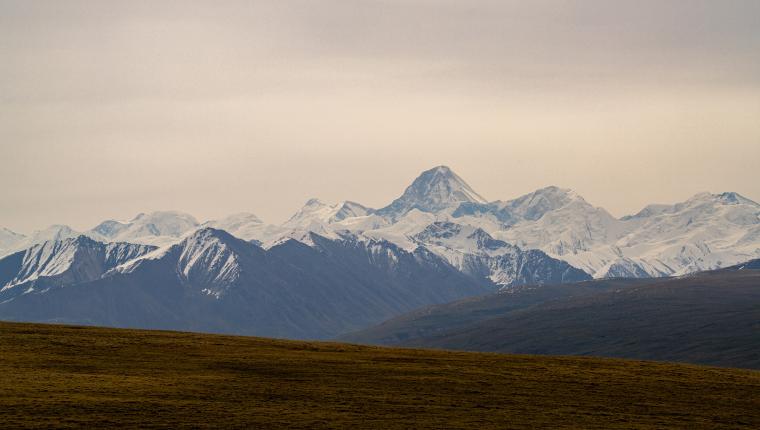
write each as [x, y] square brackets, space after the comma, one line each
[433, 190]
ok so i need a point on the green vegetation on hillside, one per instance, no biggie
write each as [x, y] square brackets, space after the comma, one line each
[103, 378]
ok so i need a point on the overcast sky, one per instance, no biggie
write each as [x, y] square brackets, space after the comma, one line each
[110, 108]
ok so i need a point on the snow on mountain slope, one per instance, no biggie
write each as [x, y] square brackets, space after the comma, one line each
[361, 224]
[533, 206]
[726, 217]
[210, 258]
[236, 221]
[624, 267]
[434, 190]
[477, 253]
[462, 238]
[248, 227]
[55, 232]
[316, 214]
[401, 232]
[562, 224]
[348, 209]
[213, 282]
[648, 211]
[8, 240]
[63, 262]
[109, 229]
[155, 228]
[705, 232]
[327, 220]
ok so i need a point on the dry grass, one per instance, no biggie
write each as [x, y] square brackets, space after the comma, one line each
[60, 376]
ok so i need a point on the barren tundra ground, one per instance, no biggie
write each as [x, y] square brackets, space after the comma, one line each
[66, 376]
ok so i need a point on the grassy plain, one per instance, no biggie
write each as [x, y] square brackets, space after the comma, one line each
[69, 377]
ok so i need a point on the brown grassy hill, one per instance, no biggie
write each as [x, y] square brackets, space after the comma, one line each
[63, 376]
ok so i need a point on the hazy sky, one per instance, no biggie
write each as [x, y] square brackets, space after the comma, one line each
[110, 108]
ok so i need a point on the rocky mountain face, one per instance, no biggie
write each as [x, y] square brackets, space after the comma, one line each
[335, 267]
[214, 282]
[705, 232]
[60, 263]
[475, 252]
[708, 231]
[434, 190]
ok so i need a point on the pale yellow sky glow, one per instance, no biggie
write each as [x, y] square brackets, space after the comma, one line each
[112, 108]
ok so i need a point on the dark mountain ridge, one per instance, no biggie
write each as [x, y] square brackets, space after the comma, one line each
[707, 318]
[214, 282]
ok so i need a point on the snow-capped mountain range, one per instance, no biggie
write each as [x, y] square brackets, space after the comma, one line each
[705, 232]
[156, 228]
[214, 282]
[60, 263]
[334, 268]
